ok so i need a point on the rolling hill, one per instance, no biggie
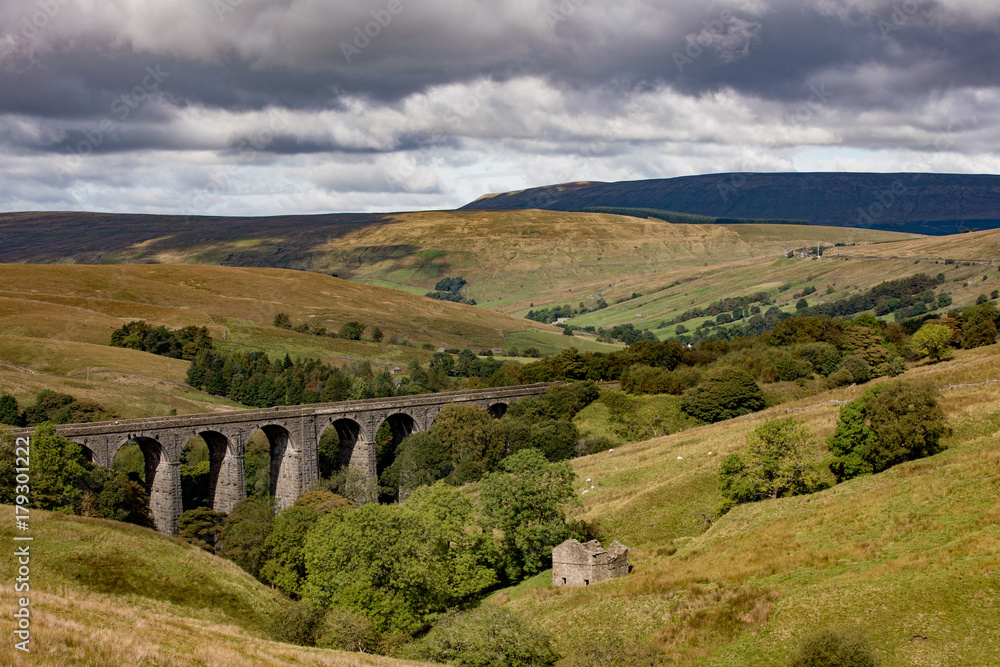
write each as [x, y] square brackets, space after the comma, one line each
[56, 322]
[907, 202]
[105, 594]
[527, 256]
[911, 554]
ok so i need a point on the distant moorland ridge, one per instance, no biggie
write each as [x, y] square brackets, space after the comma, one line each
[903, 202]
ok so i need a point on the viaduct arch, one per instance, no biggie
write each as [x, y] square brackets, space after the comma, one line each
[292, 431]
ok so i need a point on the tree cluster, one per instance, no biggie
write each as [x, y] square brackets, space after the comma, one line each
[465, 442]
[52, 407]
[972, 327]
[550, 315]
[62, 480]
[884, 298]
[778, 462]
[183, 343]
[890, 423]
[368, 574]
[252, 378]
[743, 304]
[450, 289]
[349, 330]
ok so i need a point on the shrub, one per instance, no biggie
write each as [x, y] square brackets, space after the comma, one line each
[286, 564]
[932, 340]
[725, 392]
[593, 445]
[639, 379]
[245, 531]
[345, 630]
[835, 648]
[895, 367]
[777, 463]
[840, 378]
[789, 369]
[353, 330]
[10, 412]
[859, 369]
[887, 425]
[299, 624]
[322, 501]
[825, 358]
[200, 527]
[596, 650]
[489, 636]
[980, 334]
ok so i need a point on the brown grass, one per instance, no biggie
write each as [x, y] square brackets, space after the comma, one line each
[76, 628]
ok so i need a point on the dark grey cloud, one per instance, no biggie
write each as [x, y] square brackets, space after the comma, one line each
[409, 95]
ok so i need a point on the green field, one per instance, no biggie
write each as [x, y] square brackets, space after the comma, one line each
[913, 554]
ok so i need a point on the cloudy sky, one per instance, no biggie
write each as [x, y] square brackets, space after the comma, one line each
[254, 107]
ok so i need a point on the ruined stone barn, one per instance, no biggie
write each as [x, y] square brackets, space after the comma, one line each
[575, 564]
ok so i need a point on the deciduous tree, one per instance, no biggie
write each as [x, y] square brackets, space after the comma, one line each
[526, 502]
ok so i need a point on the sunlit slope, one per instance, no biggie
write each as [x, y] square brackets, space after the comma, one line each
[126, 382]
[81, 303]
[503, 254]
[912, 554]
[669, 293]
[56, 322]
[107, 594]
[984, 245]
[514, 255]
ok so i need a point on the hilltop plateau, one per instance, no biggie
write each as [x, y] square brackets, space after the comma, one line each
[905, 202]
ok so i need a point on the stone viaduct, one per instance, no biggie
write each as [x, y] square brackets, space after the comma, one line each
[293, 432]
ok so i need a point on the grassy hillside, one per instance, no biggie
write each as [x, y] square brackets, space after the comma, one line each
[969, 246]
[911, 554]
[669, 293]
[56, 322]
[504, 254]
[107, 594]
[513, 258]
